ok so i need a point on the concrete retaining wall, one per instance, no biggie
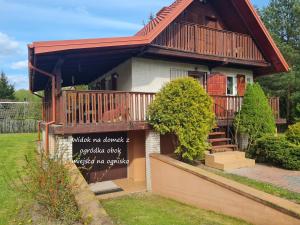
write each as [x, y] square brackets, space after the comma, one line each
[192, 185]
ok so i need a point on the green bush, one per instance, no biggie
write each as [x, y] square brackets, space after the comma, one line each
[293, 133]
[277, 151]
[184, 108]
[255, 118]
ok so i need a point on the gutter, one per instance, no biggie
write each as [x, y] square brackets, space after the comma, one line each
[52, 76]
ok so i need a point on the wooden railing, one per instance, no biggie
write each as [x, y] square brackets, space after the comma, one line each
[227, 106]
[275, 106]
[208, 41]
[96, 107]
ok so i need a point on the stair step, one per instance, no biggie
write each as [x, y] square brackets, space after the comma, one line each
[217, 133]
[228, 160]
[226, 156]
[223, 146]
[219, 140]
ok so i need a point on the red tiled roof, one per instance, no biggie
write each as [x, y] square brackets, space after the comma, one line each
[160, 17]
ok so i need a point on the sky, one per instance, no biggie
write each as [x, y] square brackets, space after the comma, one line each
[22, 22]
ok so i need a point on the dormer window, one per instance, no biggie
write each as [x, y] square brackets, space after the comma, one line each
[211, 21]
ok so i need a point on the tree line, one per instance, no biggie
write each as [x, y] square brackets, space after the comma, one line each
[282, 18]
[8, 92]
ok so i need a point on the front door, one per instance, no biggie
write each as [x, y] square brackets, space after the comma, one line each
[216, 84]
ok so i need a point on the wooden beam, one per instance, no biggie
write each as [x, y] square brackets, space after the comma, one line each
[99, 128]
[159, 50]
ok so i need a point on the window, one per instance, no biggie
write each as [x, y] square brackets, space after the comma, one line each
[230, 86]
[199, 76]
[249, 81]
[211, 22]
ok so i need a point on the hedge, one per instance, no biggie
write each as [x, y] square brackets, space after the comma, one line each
[293, 133]
[277, 151]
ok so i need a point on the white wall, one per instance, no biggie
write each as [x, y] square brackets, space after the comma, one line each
[149, 75]
[125, 79]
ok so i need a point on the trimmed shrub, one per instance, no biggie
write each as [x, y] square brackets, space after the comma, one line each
[277, 151]
[184, 108]
[255, 118]
[293, 133]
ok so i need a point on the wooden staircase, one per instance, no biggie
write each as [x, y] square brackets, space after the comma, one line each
[220, 142]
[224, 154]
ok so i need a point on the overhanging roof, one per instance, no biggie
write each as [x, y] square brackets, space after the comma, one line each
[146, 35]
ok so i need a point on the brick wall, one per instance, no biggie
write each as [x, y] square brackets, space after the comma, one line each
[152, 146]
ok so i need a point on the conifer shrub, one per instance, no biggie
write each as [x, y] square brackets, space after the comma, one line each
[277, 151]
[293, 133]
[184, 108]
[255, 118]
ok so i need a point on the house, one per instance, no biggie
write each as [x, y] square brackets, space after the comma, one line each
[223, 44]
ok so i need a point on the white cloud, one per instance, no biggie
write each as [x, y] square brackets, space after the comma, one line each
[20, 81]
[19, 65]
[79, 16]
[8, 46]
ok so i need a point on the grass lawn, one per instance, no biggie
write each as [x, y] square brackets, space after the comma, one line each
[262, 186]
[13, 148]
[148, 209]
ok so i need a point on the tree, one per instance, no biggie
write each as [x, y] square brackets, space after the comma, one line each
[6, 90]
[282, 19]
[35, 103]
[256, 118]
[183, 108]
[23, 95]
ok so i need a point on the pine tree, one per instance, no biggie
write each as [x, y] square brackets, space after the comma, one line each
[6, 90]
[282, 17]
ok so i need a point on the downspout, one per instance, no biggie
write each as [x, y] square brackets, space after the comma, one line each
[52, 76]
[43, 116]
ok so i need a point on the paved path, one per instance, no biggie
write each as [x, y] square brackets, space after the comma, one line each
[280, 177]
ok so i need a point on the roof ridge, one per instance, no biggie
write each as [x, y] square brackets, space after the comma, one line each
[160, 16]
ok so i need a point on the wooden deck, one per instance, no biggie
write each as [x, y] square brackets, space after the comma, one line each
[108, 111]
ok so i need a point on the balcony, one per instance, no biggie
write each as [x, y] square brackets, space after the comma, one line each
[104, 111]
[214, 44]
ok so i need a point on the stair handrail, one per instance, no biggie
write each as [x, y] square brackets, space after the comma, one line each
[226, 116]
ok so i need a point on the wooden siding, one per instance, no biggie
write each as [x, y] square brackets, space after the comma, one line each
[209, 41]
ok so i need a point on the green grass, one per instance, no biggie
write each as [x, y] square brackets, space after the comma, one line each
[262, 186]
[13, 148]
[148, 209]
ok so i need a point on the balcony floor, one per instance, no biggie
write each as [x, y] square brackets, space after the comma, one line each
[99, 128]
[121, 126]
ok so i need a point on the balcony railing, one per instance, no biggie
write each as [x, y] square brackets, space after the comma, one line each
[96, 107]
[103, 107]
[208, 41]
[227, 106]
